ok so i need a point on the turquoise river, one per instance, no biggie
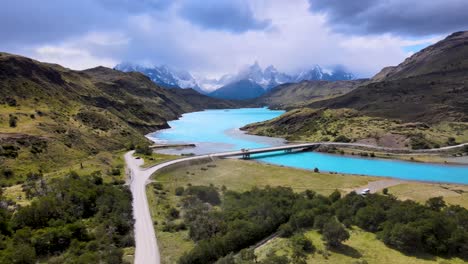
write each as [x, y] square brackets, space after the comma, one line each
[218, 130]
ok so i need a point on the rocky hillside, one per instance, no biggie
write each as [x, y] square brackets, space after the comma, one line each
[430, 86]
[421, 103]
[293, 95]
[51, 116]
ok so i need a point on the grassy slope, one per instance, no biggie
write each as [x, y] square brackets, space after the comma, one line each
[422, 101]
[361, 246]
[79, 120]
[322, 125]
[242, 175]
[70, 116]
[292, 95]
[430, 86]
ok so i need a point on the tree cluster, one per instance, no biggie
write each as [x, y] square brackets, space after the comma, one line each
[70, 220]
[241, 220]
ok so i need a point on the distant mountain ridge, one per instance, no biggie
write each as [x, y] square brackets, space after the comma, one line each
[293, 95]
[163, 75]
[266, 78]
[240, 90]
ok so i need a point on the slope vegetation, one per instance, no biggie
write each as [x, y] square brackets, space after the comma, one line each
[293, 95]
[52, 117]
[421, 103]
[430, 86]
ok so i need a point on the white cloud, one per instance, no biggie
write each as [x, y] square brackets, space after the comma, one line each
[91, 50]
[296, 39]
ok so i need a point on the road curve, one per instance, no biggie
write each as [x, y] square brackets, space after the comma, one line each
[146, 247]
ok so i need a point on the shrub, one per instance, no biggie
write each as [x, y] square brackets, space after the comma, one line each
[179, 191]
[157, 186]
[335, 196]
[385, 191]
[7, 173]
[115, 172]
[334, 233]
[316, 170]
[13, 121]
[342, 138]
[451, 141]
[174, 213]
[436, 203]
[285, 230]
[207, 194]
[302, 243]
[144, 150]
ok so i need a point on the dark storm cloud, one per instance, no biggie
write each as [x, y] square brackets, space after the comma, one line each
[234, 16]
[401, 17]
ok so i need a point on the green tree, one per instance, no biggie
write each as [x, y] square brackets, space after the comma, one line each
[436, 203]
[334, 233]
[335, 196]
[21, 254]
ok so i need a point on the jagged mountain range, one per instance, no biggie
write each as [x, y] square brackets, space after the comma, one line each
[266, 78]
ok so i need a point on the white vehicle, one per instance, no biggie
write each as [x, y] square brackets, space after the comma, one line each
[365, 191]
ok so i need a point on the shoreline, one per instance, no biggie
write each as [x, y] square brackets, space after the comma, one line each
[353, 174]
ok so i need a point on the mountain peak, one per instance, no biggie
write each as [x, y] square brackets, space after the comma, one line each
[266, 78]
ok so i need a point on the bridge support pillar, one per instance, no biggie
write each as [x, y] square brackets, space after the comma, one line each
[246, 156]
[288, 150]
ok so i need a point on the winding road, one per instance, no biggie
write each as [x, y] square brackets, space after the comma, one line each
[146, 247]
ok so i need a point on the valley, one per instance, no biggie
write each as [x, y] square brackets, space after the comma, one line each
[67, 188]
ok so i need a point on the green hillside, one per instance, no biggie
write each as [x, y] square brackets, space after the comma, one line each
[52, 117]
[293, 95]
[421, 103]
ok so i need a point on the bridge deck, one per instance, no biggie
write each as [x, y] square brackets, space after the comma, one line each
[265, 150]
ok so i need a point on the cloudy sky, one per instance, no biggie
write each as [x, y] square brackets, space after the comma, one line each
[213, 37]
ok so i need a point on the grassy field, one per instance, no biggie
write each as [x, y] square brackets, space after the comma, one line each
[155, 158]
[362, 247]
[453, 194]
[240, 175]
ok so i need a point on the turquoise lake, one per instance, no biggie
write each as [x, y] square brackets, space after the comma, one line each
[218, 130]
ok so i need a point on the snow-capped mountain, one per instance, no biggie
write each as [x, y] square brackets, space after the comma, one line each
[266, 78]
[271, 77]
[163, 75]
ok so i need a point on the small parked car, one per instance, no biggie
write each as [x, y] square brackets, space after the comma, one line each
[365, 191]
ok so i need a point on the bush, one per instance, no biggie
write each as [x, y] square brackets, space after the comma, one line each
[174, 213]
[385, 191]
[7, 173]
[11, 101]
[285, 230]
[302, 243]
[451, 141]
[179, 191]
[157, 186]
[334, 233]
[342, 138]
[144, 150]
[316, 170]
[207, 194]
[13, 121]
[436, 203]
[335, 196]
